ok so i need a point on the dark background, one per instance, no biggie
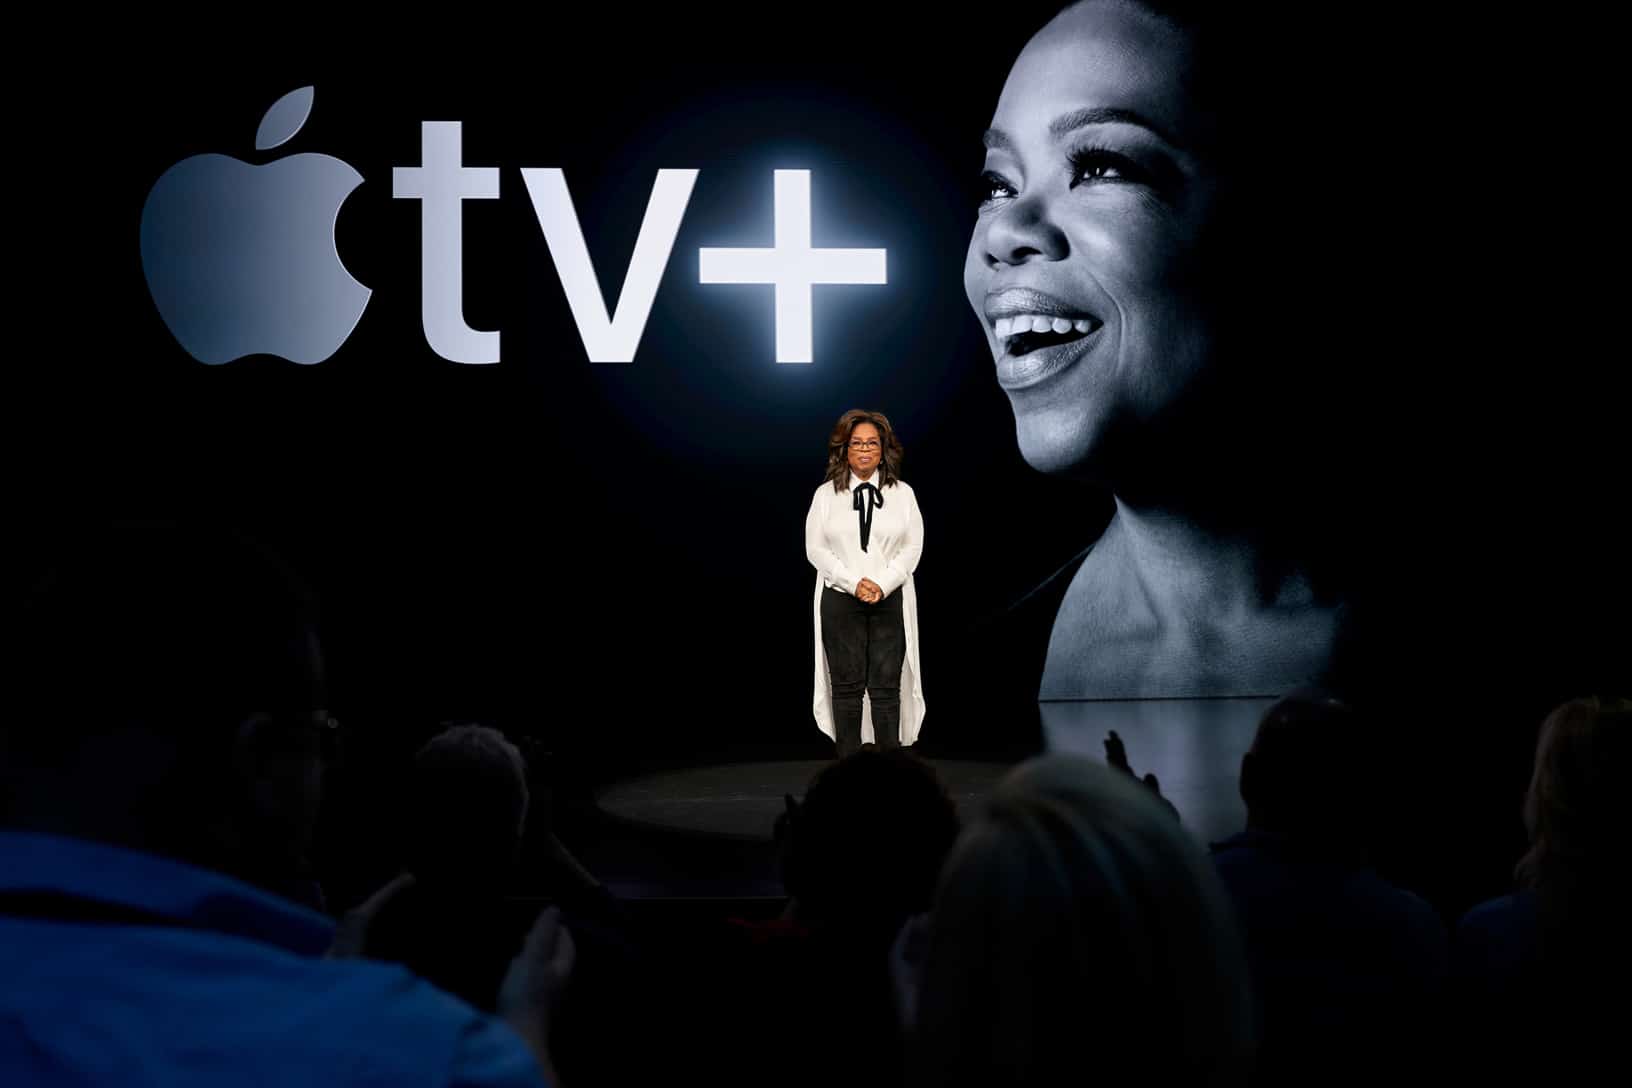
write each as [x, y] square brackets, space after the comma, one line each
[609, 557]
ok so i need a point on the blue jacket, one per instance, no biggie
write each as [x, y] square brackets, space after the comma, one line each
[119, 967]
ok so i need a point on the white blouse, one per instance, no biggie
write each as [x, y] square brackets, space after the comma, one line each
[894, 541]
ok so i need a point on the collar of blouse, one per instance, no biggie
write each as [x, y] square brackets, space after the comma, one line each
[877, 480]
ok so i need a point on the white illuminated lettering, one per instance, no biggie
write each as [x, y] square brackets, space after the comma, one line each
[792, 266]
[609, 339]
[442, 184]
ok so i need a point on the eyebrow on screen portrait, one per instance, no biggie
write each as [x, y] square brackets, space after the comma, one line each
[1070, 122]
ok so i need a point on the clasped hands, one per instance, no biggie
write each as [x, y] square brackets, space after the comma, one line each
[868, 591]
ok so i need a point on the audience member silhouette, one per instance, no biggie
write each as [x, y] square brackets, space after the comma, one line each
[163, 767]
[463, 814]
[1077, 932]
[864, 849]
[859, 856]
[1545, 969]
[470, 818]
[1347, 969]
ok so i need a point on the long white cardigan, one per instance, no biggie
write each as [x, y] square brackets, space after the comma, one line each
[906, 546]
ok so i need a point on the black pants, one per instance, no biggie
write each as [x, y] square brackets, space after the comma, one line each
[865, 645]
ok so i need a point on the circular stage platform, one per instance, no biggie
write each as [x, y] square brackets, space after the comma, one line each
[742, 800]
[708, 830]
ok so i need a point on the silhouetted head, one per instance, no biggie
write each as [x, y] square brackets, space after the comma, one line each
[1303, 773]
[1577, 804]
[467, 807]
[1077, 930]
[171, 697]
[865, 847]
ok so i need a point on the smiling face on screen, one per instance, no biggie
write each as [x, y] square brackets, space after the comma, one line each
[1084, 266]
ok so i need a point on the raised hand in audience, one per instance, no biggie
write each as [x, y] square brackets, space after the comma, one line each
[533, 986]
[351, 935]
[906, 960]
[1116, 754]
[784, 820]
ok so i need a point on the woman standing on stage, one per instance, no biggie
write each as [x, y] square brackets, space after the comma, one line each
[864, 536]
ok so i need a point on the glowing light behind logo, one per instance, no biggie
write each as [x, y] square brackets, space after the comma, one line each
[609, 339]
[791, 266]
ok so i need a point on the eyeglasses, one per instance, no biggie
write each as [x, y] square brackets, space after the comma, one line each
[869, 444]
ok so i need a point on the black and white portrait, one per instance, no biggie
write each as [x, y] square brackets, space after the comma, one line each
[1149, 267]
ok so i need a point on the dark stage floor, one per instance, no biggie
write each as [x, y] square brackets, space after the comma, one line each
[742, 800]
[705, 831]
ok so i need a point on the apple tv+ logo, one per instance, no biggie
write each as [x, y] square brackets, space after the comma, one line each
[241, 259]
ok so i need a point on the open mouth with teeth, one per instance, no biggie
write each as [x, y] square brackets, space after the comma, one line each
[1026, 333]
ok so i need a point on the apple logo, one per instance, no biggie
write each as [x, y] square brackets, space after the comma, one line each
[241, 259]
